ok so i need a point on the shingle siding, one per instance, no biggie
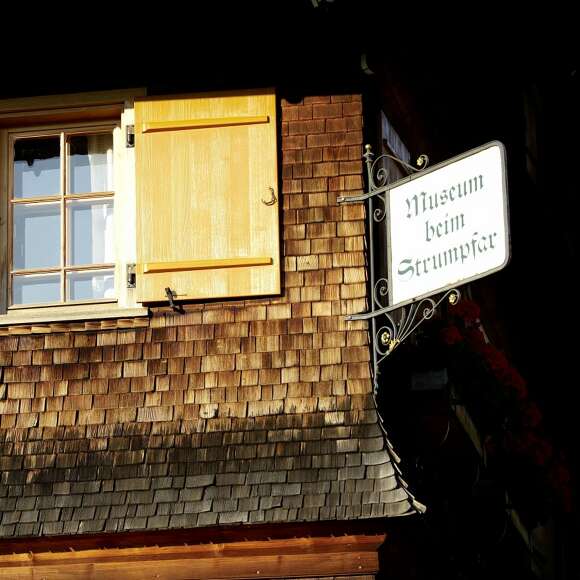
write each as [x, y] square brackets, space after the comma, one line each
[235, 412]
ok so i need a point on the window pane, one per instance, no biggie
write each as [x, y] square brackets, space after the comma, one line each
[36, 167]
[90, 232]
[90, 285]
[36, 289]
[36, 239]
[91, 163]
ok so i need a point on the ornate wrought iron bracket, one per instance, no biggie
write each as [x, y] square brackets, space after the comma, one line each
[396, 322]
[399, 322]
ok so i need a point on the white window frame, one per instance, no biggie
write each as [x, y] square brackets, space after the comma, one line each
[18, 116]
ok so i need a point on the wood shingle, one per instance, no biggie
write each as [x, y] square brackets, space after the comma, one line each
[230, 413]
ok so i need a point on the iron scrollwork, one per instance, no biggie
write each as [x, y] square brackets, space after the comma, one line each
[393, 332]
[378, 180]
[396, 322]
[381, 292]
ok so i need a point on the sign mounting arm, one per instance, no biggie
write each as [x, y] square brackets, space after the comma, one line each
[394, 329]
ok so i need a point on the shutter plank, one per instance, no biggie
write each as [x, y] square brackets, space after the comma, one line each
[156, 267]
[203, 123]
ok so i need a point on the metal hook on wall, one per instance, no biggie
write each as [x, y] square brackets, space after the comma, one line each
[272, 199]
[171, 296]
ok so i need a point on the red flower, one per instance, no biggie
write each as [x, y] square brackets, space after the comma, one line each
[475, 339]
[496, 360]
[527, 444]
[542, 451]
[559, 474]
[451, 335]
[519, 443]
[531, 414]
[467, 310]
[521, 390]
[511, 378]
[559, 478]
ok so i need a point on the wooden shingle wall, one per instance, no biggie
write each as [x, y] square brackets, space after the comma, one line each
[234, 412]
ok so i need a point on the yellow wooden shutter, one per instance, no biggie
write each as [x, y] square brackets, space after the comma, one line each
[207, 224]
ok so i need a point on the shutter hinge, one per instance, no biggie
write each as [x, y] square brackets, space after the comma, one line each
[130, 136]
[131, 276]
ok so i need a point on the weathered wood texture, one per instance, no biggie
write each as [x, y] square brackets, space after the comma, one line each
[233, 412]
[304, 557]
[203, 166]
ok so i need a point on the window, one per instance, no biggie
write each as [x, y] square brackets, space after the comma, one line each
[191, 208]
[60, 216]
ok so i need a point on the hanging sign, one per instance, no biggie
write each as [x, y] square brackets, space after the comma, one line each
[448, 225]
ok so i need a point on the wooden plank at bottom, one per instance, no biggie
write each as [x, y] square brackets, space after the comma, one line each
[271, 566]
[245, 549]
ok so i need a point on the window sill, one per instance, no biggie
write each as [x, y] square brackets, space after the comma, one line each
[70, 314]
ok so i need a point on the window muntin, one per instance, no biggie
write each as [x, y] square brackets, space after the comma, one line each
[61, 217]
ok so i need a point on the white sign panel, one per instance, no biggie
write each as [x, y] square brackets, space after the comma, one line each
[448, 225]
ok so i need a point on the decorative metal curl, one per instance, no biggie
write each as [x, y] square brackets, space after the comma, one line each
[393, 332]
[380, 292]
[377, 179]
[379, 213]
[378, 174]
[384, 341]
